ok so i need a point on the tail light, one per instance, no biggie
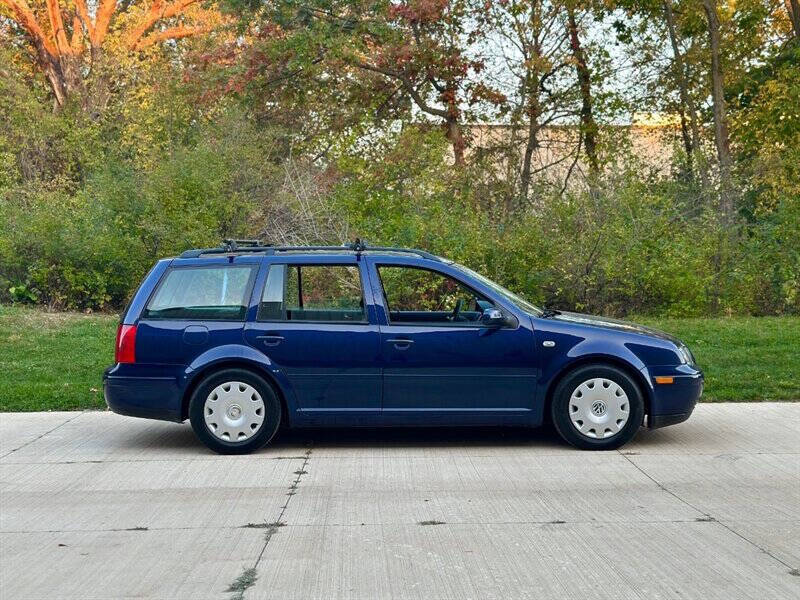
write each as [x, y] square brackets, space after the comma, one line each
[126, 344]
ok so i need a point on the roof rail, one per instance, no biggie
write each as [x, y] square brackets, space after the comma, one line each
[256, 246]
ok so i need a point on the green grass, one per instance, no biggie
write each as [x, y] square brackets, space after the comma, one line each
[744, 358]
[54, 361]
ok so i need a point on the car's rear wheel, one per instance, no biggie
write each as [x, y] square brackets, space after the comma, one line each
[234, 411]
[597, 407]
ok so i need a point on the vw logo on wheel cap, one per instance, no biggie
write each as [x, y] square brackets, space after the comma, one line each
[598, 408]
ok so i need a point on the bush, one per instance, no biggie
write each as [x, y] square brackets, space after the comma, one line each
[82, 232]
[89, 248]
[634, 246]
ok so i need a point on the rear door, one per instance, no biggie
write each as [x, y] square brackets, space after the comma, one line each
[438, 358]
[316, 323]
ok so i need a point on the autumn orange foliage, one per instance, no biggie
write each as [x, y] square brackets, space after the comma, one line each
[68, 36]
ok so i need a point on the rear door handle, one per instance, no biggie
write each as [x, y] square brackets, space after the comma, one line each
[270, 340]
[400, 343]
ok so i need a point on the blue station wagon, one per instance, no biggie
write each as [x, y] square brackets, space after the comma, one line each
[245, 338]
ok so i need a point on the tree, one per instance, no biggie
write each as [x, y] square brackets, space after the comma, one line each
[530, 61]
[421, 51]
[691, 143]
[68, 38]
[793, 8]
[721, 137]
[423, 46]
[588, 124]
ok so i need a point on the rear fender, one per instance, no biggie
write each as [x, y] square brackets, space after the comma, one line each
[240, 355]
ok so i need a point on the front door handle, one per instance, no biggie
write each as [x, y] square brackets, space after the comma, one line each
[400, 343]
[270, 340]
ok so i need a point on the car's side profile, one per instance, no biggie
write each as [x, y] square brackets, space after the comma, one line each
[245, 338]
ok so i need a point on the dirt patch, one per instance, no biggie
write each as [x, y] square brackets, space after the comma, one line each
[241, 583]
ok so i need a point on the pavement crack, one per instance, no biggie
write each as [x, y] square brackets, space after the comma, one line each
[249, 576]
[38, 437]
[141, 460]
[265, 525]
[706, 516]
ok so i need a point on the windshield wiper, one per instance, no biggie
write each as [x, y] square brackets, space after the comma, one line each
[549, 312]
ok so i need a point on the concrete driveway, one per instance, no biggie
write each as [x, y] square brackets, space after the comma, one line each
[94, 505]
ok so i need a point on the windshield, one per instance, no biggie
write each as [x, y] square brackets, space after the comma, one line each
[508, 294]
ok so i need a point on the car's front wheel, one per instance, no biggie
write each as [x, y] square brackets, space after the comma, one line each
[234, 411]
[597, 407]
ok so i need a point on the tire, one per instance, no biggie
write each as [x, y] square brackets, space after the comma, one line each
[597, 407]
[234, 411]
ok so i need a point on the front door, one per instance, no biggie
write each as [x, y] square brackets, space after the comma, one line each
[313, 322]
[440, 360]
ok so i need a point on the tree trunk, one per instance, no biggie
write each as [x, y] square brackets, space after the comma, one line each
[530, 91]
[532, 111]
[73, 82]
[456, 139]
[686, 98]
[588, 123]
[52, 70]
[721, 138]
[98, 93]
[530, 147]
[793, 8]
[687, 141]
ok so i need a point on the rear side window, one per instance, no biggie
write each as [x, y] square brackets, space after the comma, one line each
[202, 293]
[329, 293]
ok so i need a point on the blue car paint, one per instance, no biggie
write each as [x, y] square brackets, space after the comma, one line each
[332, 370]
[352, 374]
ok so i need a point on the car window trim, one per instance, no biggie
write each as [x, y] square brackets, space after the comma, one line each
[357, 265]
[251, 280]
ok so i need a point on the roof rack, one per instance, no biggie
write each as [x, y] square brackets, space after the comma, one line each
[230, 246]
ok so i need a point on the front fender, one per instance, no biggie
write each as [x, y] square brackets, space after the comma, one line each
[572, 350]
[241, 355]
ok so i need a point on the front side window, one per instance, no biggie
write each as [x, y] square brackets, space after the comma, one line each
[508, 294]
[328, 293]
[203, 293]
[416, 295]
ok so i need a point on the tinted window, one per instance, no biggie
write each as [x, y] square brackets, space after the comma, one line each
[330, 293]
[423, 296]
[208, 293]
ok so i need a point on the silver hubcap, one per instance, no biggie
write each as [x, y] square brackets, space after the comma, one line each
[599, 408]
[234, 411]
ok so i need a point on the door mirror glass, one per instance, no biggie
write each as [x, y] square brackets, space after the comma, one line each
[493, 317]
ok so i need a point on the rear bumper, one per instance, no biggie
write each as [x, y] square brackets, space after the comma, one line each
[674, 402]
[150, 396]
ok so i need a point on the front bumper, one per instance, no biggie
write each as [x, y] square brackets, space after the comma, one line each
[674, 402]
[658, 421]
[142, 392]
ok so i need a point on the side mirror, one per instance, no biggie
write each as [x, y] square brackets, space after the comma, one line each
[493, 317]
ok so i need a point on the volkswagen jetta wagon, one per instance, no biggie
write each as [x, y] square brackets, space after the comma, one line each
[245, 338]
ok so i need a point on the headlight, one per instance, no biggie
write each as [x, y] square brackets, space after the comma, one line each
[685, 354]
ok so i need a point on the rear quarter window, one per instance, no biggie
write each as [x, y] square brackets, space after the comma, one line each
[202, 293]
